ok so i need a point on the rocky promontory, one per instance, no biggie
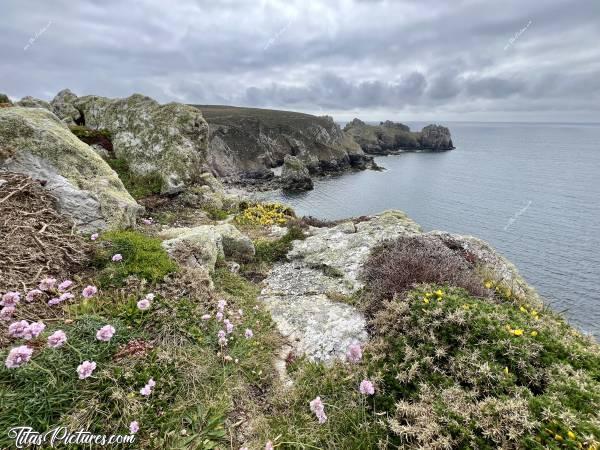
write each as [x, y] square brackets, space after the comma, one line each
[247, 143]
[392, 137]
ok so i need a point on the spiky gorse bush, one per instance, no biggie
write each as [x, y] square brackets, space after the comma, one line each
[465, 372]
[264, 214]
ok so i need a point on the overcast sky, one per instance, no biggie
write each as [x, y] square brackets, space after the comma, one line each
[509, 60]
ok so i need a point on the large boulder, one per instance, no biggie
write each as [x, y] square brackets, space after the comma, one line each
[436, 137]
[32, 102]
[33, 141]
[294, 175]
[203, 245]
[64, 108]
[168, 140]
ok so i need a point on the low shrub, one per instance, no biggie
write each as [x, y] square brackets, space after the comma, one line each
[396, 266]
[143, 257]
[459, 371]
[263, 214]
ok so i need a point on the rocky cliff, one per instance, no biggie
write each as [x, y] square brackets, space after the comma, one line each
[391, 137]
[249, 142]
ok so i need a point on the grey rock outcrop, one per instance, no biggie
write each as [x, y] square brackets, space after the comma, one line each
[32, 102]
[246, 143]
[294, 175]
[327, 264]
[303, 293]
[391, 137]
[33, 141]
[202, 246]
[64, 108]
[435, 137]
[169, 140]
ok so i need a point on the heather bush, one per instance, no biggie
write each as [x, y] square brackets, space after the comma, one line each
[396, 266]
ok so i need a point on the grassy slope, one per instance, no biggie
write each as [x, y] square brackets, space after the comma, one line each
[447, 371]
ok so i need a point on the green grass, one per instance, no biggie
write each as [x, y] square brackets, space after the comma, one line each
[139, 186]
[143, 257]
[216, 213]
[273, 251]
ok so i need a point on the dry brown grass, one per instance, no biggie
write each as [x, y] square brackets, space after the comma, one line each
[35, 239]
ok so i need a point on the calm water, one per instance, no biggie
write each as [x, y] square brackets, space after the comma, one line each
[530, 190]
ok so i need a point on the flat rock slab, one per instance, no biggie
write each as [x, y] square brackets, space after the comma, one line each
[327, 262]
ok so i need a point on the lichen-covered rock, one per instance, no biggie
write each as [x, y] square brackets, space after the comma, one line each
[35, 142]
[297, 293]
[64, 108]
[204, 244]
[435, 137]
[169, 140]
[295, 175]
[32, 102]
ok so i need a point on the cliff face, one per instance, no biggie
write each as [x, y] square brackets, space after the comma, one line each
[248, 142]
[391, 137]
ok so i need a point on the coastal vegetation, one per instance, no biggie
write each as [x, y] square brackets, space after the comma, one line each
[218, 322]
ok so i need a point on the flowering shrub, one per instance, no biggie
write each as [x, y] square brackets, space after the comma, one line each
[264, 214]
[461, 371]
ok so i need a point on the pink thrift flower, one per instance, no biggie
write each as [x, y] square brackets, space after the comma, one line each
[85, 369]
[222, 339]
[33, 295]
[221, 305]
[94, 236]
[241, 312]
[18, 329]
[134, 427]
[249, 334]
[150, 296]
[366, 387]
[18, 356]
[228, 326]
[34, 330]
[54, 301]
[117, 257]
[205, 317]
[143, 304]
[269, 446]
[57, 339]
[147, 221]
[7, 312]
[105, 333]
[354, 353]
[89, 291]
[146, 391]
[47, 284]
[219, 316]
[10, 299]
[65, 285]
[317, 407]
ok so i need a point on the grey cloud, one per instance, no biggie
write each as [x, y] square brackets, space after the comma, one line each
[377, 57]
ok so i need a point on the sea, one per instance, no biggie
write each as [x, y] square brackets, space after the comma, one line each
[532, 190]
